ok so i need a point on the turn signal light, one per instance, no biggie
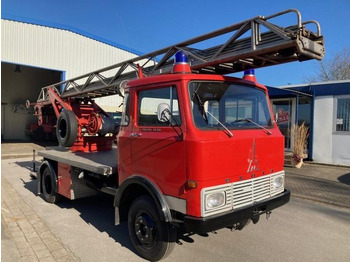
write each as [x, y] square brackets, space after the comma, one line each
[191, 184]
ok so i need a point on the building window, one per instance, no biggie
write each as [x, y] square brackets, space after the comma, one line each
[343, 115]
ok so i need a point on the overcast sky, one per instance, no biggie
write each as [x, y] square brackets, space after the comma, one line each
[146, 26]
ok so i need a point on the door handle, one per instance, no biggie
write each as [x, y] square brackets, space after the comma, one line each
[134, 135]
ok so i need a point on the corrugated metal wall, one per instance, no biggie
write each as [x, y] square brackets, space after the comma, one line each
[57, 49]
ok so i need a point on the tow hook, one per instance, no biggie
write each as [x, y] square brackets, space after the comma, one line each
[268, 214]
[255, 219]
[240, 225]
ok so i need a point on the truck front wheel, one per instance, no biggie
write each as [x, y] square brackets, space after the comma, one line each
[152, 238]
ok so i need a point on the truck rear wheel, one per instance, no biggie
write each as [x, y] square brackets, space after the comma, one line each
[67, 128]
[152, 238]
[48, 187]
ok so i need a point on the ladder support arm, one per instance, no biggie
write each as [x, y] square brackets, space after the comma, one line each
[54, 99]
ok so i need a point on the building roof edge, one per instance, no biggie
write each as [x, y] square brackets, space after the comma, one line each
[315, 84]
[26, 20]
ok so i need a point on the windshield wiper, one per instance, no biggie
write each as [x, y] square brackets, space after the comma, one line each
[251, 121]
[229, 133]
[204, 113]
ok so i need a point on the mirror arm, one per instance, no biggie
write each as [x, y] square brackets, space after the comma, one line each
[180, 134]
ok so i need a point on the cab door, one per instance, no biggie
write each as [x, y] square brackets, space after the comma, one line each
[157, 148]
[124, 140]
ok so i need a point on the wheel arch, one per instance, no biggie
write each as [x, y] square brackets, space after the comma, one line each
[134, 187]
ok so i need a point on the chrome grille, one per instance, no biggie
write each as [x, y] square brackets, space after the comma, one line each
[242, 193]
[250, 191]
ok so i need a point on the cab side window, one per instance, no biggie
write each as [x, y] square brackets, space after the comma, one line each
[148, 101]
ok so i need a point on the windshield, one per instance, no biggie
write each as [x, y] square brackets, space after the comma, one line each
[234, 106]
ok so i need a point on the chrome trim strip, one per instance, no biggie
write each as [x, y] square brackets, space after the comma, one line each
[242, 193]
[176, 204]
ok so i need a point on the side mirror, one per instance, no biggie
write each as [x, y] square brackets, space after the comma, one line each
[163, 112]
[121, 88]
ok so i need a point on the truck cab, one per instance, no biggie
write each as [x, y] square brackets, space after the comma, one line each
[205, 148]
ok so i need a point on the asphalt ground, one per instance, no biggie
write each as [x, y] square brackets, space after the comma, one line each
[25, 237]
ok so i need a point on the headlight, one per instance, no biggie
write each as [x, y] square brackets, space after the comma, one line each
[215, 200]
[278, 182]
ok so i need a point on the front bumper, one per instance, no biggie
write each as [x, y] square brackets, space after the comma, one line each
[207, 224]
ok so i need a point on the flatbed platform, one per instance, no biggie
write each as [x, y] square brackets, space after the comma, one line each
[104, 162]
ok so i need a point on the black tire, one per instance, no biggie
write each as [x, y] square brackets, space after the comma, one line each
[48, 187]
[152, 238]
[67, 128]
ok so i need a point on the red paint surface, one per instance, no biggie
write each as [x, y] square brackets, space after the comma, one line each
[208, 157]
[65, 181]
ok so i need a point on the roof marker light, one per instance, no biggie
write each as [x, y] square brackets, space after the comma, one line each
[249, 75]
[181, 57]
[249, 72]
[181, 63]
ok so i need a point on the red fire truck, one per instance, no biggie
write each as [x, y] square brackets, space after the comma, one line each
[195, 148]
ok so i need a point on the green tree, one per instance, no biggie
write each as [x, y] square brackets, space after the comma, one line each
[334, 68]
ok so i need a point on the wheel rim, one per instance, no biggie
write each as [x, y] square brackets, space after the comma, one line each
[62, 128]
[145, 230]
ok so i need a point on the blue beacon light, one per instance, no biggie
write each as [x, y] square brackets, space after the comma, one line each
[181, 63]
[249, 72]
[181, 57]
[250, 75]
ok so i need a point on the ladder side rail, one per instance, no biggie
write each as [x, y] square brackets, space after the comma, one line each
[41, 94]
[244, 54]
[88, 81]
[96, 86]
[251, 46]
[172, 50]
[274, 29]
[251, 24]
[242, 30]
[318, 26]
[257, 38]
[255, 23]
[283, 35]
[292, 10]
[199, 58]
[165, 50]
[101, 78]
[119, 72]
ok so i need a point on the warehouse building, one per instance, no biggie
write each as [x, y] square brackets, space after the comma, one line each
[34, 55]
